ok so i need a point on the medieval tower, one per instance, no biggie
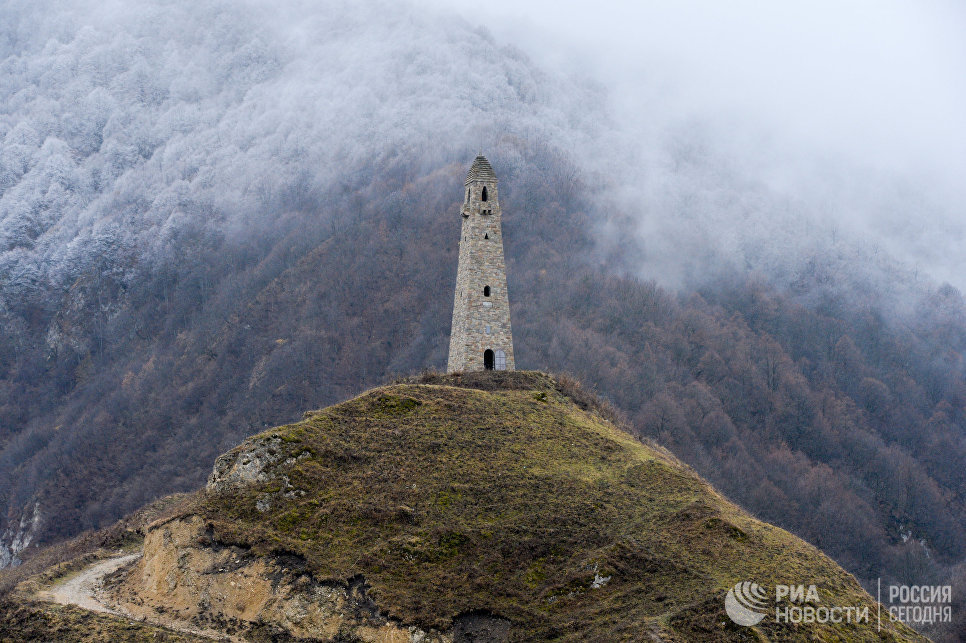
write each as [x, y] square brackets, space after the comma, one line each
[480, 337]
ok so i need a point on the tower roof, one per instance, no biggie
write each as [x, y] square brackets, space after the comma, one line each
[480, 171]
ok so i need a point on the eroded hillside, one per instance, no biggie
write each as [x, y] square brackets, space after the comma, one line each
[501, 507]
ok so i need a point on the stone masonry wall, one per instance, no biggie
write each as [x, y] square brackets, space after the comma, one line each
[481, 264]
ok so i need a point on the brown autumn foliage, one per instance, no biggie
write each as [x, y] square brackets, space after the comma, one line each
[819, 412]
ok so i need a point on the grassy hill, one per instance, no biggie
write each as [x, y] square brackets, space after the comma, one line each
[507, 495]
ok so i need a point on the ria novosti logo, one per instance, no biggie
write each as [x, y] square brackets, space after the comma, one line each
[746, 603]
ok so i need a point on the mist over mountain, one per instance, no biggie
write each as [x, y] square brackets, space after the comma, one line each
[804, 125]
[214, 216]
[123, 123]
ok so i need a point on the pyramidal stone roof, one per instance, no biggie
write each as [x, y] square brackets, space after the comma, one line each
[480, 171]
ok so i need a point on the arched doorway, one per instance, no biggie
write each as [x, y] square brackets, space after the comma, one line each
[488, 359]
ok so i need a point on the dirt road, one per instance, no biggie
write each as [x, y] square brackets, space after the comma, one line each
[81, 590]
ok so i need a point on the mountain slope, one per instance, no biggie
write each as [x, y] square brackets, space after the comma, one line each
[765, 396]
[483, 503]
[210, 221]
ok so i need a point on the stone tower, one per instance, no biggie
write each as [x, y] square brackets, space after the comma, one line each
[480, 337]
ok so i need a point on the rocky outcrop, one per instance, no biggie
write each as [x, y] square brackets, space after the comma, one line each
[17, 537]
[248, 464]
[184, 576]
[255, 461]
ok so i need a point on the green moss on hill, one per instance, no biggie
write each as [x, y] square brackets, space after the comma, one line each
[506, 494]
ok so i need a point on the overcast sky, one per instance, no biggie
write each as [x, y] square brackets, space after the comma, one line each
[879, 81]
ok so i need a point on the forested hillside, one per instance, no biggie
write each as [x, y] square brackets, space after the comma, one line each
[170, 286]
[828, 419]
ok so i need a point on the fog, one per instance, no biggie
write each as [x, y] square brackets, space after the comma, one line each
[738, 137]
[817, 118]
[879, 82]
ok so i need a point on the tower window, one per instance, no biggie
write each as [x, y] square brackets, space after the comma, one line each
[500, 361]
[486, 235]
[486, 291]
[483, 198]
[488, 360]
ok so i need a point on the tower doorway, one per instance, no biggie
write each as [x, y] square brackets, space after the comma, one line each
[488, 359]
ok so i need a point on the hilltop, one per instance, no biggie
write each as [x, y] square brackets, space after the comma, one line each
[485, 507]
[186, 260]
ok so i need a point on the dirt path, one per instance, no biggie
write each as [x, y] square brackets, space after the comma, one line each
[84, 588]
[81, 590]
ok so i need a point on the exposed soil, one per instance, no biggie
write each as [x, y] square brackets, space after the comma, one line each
[82, 589]
[86, 590]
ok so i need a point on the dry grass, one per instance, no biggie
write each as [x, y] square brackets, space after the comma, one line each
[51, 562]
[33, 621]
[25, 619]
[508, 493]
